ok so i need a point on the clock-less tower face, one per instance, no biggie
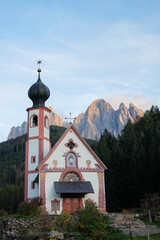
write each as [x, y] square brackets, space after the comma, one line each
[69, 177]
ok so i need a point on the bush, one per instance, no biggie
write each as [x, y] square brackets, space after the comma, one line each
[31, 207]
[88, 224]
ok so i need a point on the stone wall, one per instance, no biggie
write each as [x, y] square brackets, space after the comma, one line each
[21, 229]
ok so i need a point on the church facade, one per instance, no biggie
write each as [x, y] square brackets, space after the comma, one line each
[66, 175]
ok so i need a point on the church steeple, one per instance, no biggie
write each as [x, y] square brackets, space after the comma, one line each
[39, 92]
[38, 143]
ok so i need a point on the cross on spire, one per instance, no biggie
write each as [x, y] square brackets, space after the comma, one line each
[70, 118]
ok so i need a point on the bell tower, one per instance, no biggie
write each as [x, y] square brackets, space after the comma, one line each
[38, 142]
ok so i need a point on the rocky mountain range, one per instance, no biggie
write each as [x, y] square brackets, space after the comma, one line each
[54, 119]
[99, 116]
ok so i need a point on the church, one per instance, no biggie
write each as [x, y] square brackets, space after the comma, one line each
[64, 176]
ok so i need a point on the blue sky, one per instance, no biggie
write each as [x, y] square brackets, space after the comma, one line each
[90, 49]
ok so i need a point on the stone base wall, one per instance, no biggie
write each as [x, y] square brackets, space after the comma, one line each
[12, 228]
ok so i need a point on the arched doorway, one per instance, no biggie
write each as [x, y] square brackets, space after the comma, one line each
[72, 201]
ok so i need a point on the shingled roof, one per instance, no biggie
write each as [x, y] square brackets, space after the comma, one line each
[73, 187]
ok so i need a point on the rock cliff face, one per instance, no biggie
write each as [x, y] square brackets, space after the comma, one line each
[18, 131]
[99, 116]
[54, 119]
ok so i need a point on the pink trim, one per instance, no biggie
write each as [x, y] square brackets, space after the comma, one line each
[37, 137]
[40, 138]
[31, 120]
[44, 108]
[26, 173]
[41, 123]
[55, 210]
[101, 197]
[71, 169]
[81, 139]
[44, 166]
[41, 134]
[71, 140]
[41, 150]
[33, 158]
[74, 171]
[43, 194]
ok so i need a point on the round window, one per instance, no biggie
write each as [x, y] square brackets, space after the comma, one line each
[71, 177]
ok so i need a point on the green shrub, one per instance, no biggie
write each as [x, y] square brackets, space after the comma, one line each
[88, 224]
[31, 207]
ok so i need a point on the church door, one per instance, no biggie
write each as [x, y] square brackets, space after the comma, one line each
[72, 204]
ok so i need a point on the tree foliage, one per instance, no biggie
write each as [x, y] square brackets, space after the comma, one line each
[12, 164]
[133, 161]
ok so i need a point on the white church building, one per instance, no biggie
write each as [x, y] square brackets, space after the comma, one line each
[66, 175]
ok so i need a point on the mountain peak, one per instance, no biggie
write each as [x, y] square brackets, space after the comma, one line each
[122, 105]
[131, 105]
[99, 116]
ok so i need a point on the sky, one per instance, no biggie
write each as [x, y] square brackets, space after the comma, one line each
[90, 49]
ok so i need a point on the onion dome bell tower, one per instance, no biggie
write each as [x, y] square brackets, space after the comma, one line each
[39, 92]
[38, 143]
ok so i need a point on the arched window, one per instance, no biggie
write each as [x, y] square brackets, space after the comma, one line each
[69, 177]
[34, 121]
[71, 160]
[46, 122]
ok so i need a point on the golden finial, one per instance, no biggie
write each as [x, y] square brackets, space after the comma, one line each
[39, 62]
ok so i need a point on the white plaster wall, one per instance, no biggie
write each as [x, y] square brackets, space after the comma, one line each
[34, 131]
[33, 151]
[32, 192]
[46, 148]
[61, 150]
[46, 130]
[51, 194]
[59, 155]
[50, 190]
[93, 178]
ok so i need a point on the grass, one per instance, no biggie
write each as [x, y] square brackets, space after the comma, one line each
[152, 237]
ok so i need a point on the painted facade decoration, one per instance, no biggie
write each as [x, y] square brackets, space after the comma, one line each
[66, 175]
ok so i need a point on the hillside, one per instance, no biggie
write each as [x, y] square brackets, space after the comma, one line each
[132, 160]
[12, 164]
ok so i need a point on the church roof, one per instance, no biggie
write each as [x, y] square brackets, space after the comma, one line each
[38, 92]
[71, 127]
[73, 187]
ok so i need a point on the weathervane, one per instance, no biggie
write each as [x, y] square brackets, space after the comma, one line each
[70, 118]
[39, 62]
